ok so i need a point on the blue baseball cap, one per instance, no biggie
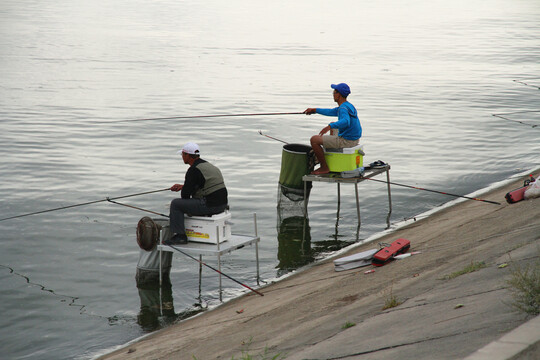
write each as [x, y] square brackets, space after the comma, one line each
[342, 88]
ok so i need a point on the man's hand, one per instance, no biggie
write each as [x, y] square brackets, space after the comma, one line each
[176, 187]
[325, 130]
[310, 111]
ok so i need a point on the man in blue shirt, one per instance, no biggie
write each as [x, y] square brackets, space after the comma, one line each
[347, 124]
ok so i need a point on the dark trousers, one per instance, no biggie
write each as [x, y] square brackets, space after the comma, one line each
[196, 207]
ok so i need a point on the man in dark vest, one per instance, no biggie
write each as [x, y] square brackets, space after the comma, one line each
[203, 193]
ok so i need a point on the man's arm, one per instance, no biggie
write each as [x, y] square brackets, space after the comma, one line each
[344, 120]
[326, 112]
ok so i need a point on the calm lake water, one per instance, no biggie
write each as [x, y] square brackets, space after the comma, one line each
[426, 77]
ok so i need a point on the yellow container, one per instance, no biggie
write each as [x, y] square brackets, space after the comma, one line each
[346, 160]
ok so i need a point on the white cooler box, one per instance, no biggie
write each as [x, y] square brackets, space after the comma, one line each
[204, 228]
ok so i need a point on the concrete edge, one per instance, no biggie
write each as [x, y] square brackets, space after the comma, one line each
[510, 344]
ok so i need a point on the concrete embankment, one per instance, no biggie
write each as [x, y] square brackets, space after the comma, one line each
[322, 314]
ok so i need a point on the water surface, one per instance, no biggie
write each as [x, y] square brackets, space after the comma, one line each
[426, 78]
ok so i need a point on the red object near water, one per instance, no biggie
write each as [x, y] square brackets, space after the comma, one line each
[387, 253]
[515, 195]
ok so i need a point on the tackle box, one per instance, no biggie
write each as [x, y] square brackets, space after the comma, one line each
[205, 229]
[345, 159]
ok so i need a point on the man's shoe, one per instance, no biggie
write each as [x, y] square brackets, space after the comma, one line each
[176, 239]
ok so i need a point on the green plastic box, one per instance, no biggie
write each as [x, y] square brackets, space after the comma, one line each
[345, 159]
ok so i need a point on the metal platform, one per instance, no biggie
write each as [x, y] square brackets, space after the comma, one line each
[235, 242]
[338, 179]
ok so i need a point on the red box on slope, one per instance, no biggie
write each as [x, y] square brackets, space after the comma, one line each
[515, 195]
[387, 253]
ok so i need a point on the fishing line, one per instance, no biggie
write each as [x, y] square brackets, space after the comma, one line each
[216, 270]
[522, 81]
[82, 204]
[200, 117]
[516, 112]
[435, 191]
[73, 299]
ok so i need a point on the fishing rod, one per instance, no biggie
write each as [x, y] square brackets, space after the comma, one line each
[135, 207]
[216, 270]
[82, 204]
[409, 186]
[202, 116]
[434, 191]
[273, 138]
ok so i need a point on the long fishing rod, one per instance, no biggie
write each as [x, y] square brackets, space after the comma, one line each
[409, 186]
[82, 204]
[434, 191]
[202, 116]
[216, 270]
[135, 207]
[200, 262]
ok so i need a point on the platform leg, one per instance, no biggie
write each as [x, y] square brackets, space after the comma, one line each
[256, 246]
[338, 197]
[219, 265]
[389, 197]
[160, 282]
[305, 198]
[200, 278]
[357, 203]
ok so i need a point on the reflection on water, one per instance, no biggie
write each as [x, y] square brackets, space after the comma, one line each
[157, 307]
[294, 248]
[426, 79]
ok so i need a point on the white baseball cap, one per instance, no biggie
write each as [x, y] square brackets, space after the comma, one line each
[190, 148]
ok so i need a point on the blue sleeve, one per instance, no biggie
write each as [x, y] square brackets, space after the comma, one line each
[328, 112]
[344, 119]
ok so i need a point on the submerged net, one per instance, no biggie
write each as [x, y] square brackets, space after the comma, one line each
[150, 261]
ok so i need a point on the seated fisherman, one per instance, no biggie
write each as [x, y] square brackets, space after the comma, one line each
[348, 125]
[203, 193]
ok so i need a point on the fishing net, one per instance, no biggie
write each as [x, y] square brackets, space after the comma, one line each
[297, 160]
[147, 233]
